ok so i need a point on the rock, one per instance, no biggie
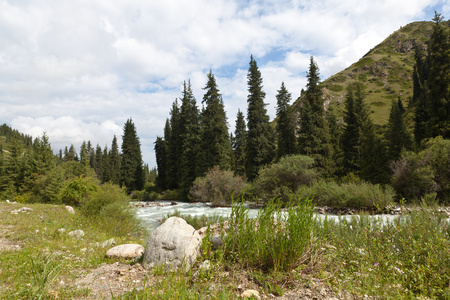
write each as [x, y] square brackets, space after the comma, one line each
[216, 242]
[25, 209]
[61, 230]
[70, 209]
[108, 243]
[14, 212]
[126, 251]
[76, 233]
[250, 294]
[173, 244]
[205, 266]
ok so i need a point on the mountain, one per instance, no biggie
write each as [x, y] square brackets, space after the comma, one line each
[386, 71]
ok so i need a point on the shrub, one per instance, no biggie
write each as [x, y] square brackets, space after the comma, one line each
[218, 187]
[355, 195]
[109, 209]
[282, 179]
[415, 175]
[77, 190]
[276, 240]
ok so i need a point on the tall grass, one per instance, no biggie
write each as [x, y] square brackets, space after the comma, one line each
[276, 240]
[404, 258]
[357, 195]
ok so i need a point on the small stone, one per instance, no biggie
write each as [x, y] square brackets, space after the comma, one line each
[250, 294]
[14, 212]
[108, 243]
[25, 209]
[206, 265]
[70, 209]
[76, 233]
[126, 251]
[61, 230]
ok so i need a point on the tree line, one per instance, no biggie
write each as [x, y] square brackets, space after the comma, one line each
[195, 140]
[30, 167]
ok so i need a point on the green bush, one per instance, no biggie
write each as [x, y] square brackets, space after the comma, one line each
[109, 209]
[218, 187]
[276, 240]
[282, 179]
[415, 175]
[78, 190]
[357, 195]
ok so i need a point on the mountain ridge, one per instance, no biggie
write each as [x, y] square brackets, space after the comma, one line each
[386, 72]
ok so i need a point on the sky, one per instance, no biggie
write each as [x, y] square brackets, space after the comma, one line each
[78, 70]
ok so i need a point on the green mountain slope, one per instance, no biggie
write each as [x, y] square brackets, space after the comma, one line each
[386, 72]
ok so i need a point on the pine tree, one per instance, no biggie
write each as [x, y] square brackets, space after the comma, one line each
[189, 118]
[132, 172]
[374, 167]
[284, 128]
[397, 134]
[161, 162]
[260, 149]
[98, 165]
[351, 137]
[84, 157]
[113, 162]
[239, 142]
[215, 140]
[173, 137]
[438, 84]
[313, 134]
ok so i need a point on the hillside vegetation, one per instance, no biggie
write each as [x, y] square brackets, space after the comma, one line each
[386, 72]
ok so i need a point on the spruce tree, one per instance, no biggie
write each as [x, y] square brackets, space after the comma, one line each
[239, 143]
[284, 127]
[113, 161]
[397, 134]
[438, 84]
[351, 137]
[132, 172]
[190, 139]
[260, 148]
[161, 163]
[313, 133]
[173, 136]
[215, 140]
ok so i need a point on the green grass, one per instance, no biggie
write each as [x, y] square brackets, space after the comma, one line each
[275, 252]
[404, 259]
[47, 256]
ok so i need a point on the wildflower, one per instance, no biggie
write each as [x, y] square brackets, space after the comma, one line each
[398, 270]
[375, 264]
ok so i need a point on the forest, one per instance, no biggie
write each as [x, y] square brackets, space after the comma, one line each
[310, 147]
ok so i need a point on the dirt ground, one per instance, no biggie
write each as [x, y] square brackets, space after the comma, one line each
[118, 278]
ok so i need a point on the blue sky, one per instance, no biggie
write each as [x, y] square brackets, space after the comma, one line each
[78, 70]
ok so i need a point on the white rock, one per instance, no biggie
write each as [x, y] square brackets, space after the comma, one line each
[25, 209]
[61, 230]
[70, 209]
[76, 233]
[174, 244]
[250, 294]
[126, 251]
[108, 243]
[14, 212]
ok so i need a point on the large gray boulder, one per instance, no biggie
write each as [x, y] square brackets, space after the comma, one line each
[174, 244]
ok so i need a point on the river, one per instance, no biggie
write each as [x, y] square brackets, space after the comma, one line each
[151, 215]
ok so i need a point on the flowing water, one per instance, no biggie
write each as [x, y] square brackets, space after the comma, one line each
[151, 215]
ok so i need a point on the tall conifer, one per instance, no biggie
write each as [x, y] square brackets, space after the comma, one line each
[189, 118]
[239, 143]
[397, 134]
[284, 127]
[260, 148]
[132, 172]
[215, 140]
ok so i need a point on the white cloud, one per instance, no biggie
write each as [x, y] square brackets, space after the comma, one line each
[79, 69]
